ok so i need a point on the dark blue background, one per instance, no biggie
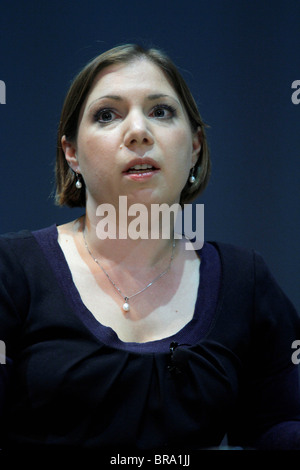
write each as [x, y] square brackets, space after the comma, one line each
[239, 58]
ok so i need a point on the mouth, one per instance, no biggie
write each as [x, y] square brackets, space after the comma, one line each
[141, 168]
[145, 168]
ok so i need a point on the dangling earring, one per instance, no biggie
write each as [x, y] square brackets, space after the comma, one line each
[192, 178]
[78, 183]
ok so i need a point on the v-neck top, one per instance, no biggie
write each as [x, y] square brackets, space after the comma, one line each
[210, 272]
[71, 383]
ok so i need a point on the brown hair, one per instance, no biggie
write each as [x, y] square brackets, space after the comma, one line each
[66, 191]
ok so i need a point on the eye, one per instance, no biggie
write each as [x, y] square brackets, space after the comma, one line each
[105, 115]
[163, 111]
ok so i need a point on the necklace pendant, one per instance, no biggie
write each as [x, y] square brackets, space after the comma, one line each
[126, 306]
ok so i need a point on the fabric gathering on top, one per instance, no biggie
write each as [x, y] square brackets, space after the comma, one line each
[69, 381]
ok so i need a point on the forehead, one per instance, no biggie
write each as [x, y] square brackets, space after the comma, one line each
[138, 76]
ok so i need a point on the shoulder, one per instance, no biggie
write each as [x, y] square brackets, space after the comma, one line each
[237, 259]
[24, 236]
[234, 260]
[246, 280]
[245, 269]
[23, 267]
[233, 253]
[15, 236]
[14, 243]
[20, 248]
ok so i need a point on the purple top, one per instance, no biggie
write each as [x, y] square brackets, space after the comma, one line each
[70, 383]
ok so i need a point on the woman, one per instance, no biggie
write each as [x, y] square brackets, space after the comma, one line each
[122, 342]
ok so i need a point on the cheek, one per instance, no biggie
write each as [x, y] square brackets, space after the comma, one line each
[180, 149]
[95, 151]
[180, 155]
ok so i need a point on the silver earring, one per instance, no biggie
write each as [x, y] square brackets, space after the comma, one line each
[78, 183]
[192, 178]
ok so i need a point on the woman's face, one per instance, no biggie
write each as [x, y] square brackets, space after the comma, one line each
[134, 137]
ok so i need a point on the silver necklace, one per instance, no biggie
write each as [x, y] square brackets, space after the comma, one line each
[126, 306]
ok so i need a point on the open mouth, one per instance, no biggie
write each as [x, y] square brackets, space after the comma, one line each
[145, 168]
[141, 169]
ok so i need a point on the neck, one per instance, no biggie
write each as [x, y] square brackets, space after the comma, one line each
[130, 236]
[124, 251]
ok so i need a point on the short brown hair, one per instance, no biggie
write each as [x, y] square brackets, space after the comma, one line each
[66, 191]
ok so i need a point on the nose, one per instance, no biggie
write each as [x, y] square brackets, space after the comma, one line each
[137, 131]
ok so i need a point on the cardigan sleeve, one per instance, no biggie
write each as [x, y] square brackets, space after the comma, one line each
[14, 299]
[268, 415]
[14, 292]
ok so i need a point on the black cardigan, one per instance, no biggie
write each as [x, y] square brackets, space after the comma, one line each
[63, 386]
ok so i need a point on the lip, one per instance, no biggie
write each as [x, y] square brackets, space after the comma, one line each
[146, 175]
[141, 161]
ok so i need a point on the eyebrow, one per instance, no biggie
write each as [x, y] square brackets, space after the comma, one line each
[152, 97]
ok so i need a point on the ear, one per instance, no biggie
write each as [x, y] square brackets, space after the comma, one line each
[70, 154]
[197, 141]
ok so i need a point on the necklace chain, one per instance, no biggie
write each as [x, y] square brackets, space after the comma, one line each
[126, 306]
